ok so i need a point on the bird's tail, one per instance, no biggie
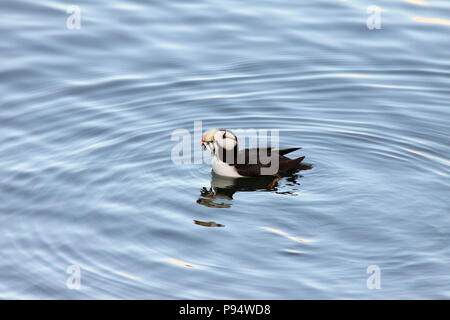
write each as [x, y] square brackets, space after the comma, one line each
[288, 150]
[300, 165]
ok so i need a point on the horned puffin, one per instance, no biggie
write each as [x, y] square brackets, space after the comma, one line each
[229, 161]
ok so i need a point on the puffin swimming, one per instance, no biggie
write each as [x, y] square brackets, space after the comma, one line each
[229, 161]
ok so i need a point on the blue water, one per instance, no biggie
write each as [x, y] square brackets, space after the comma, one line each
[86, 175]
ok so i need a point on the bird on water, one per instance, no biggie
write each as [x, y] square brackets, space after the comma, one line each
[229, 161]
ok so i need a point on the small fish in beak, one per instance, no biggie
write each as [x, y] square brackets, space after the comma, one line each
[204, 142]
[208, 138]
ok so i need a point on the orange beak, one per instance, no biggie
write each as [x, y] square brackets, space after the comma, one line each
[203, 139]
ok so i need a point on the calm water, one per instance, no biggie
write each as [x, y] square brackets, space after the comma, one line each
[85, 141]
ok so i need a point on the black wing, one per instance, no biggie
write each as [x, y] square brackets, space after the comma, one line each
[250, 161]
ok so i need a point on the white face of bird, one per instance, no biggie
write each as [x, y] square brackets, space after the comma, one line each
[223, 138]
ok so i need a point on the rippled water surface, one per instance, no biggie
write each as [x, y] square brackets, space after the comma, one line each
[86, 175]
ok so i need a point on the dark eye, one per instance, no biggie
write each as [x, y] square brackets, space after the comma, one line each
[224, 135]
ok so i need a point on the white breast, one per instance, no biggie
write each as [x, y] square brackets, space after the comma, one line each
[223, 169]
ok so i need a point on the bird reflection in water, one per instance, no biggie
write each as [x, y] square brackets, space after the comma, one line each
[222, 189]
